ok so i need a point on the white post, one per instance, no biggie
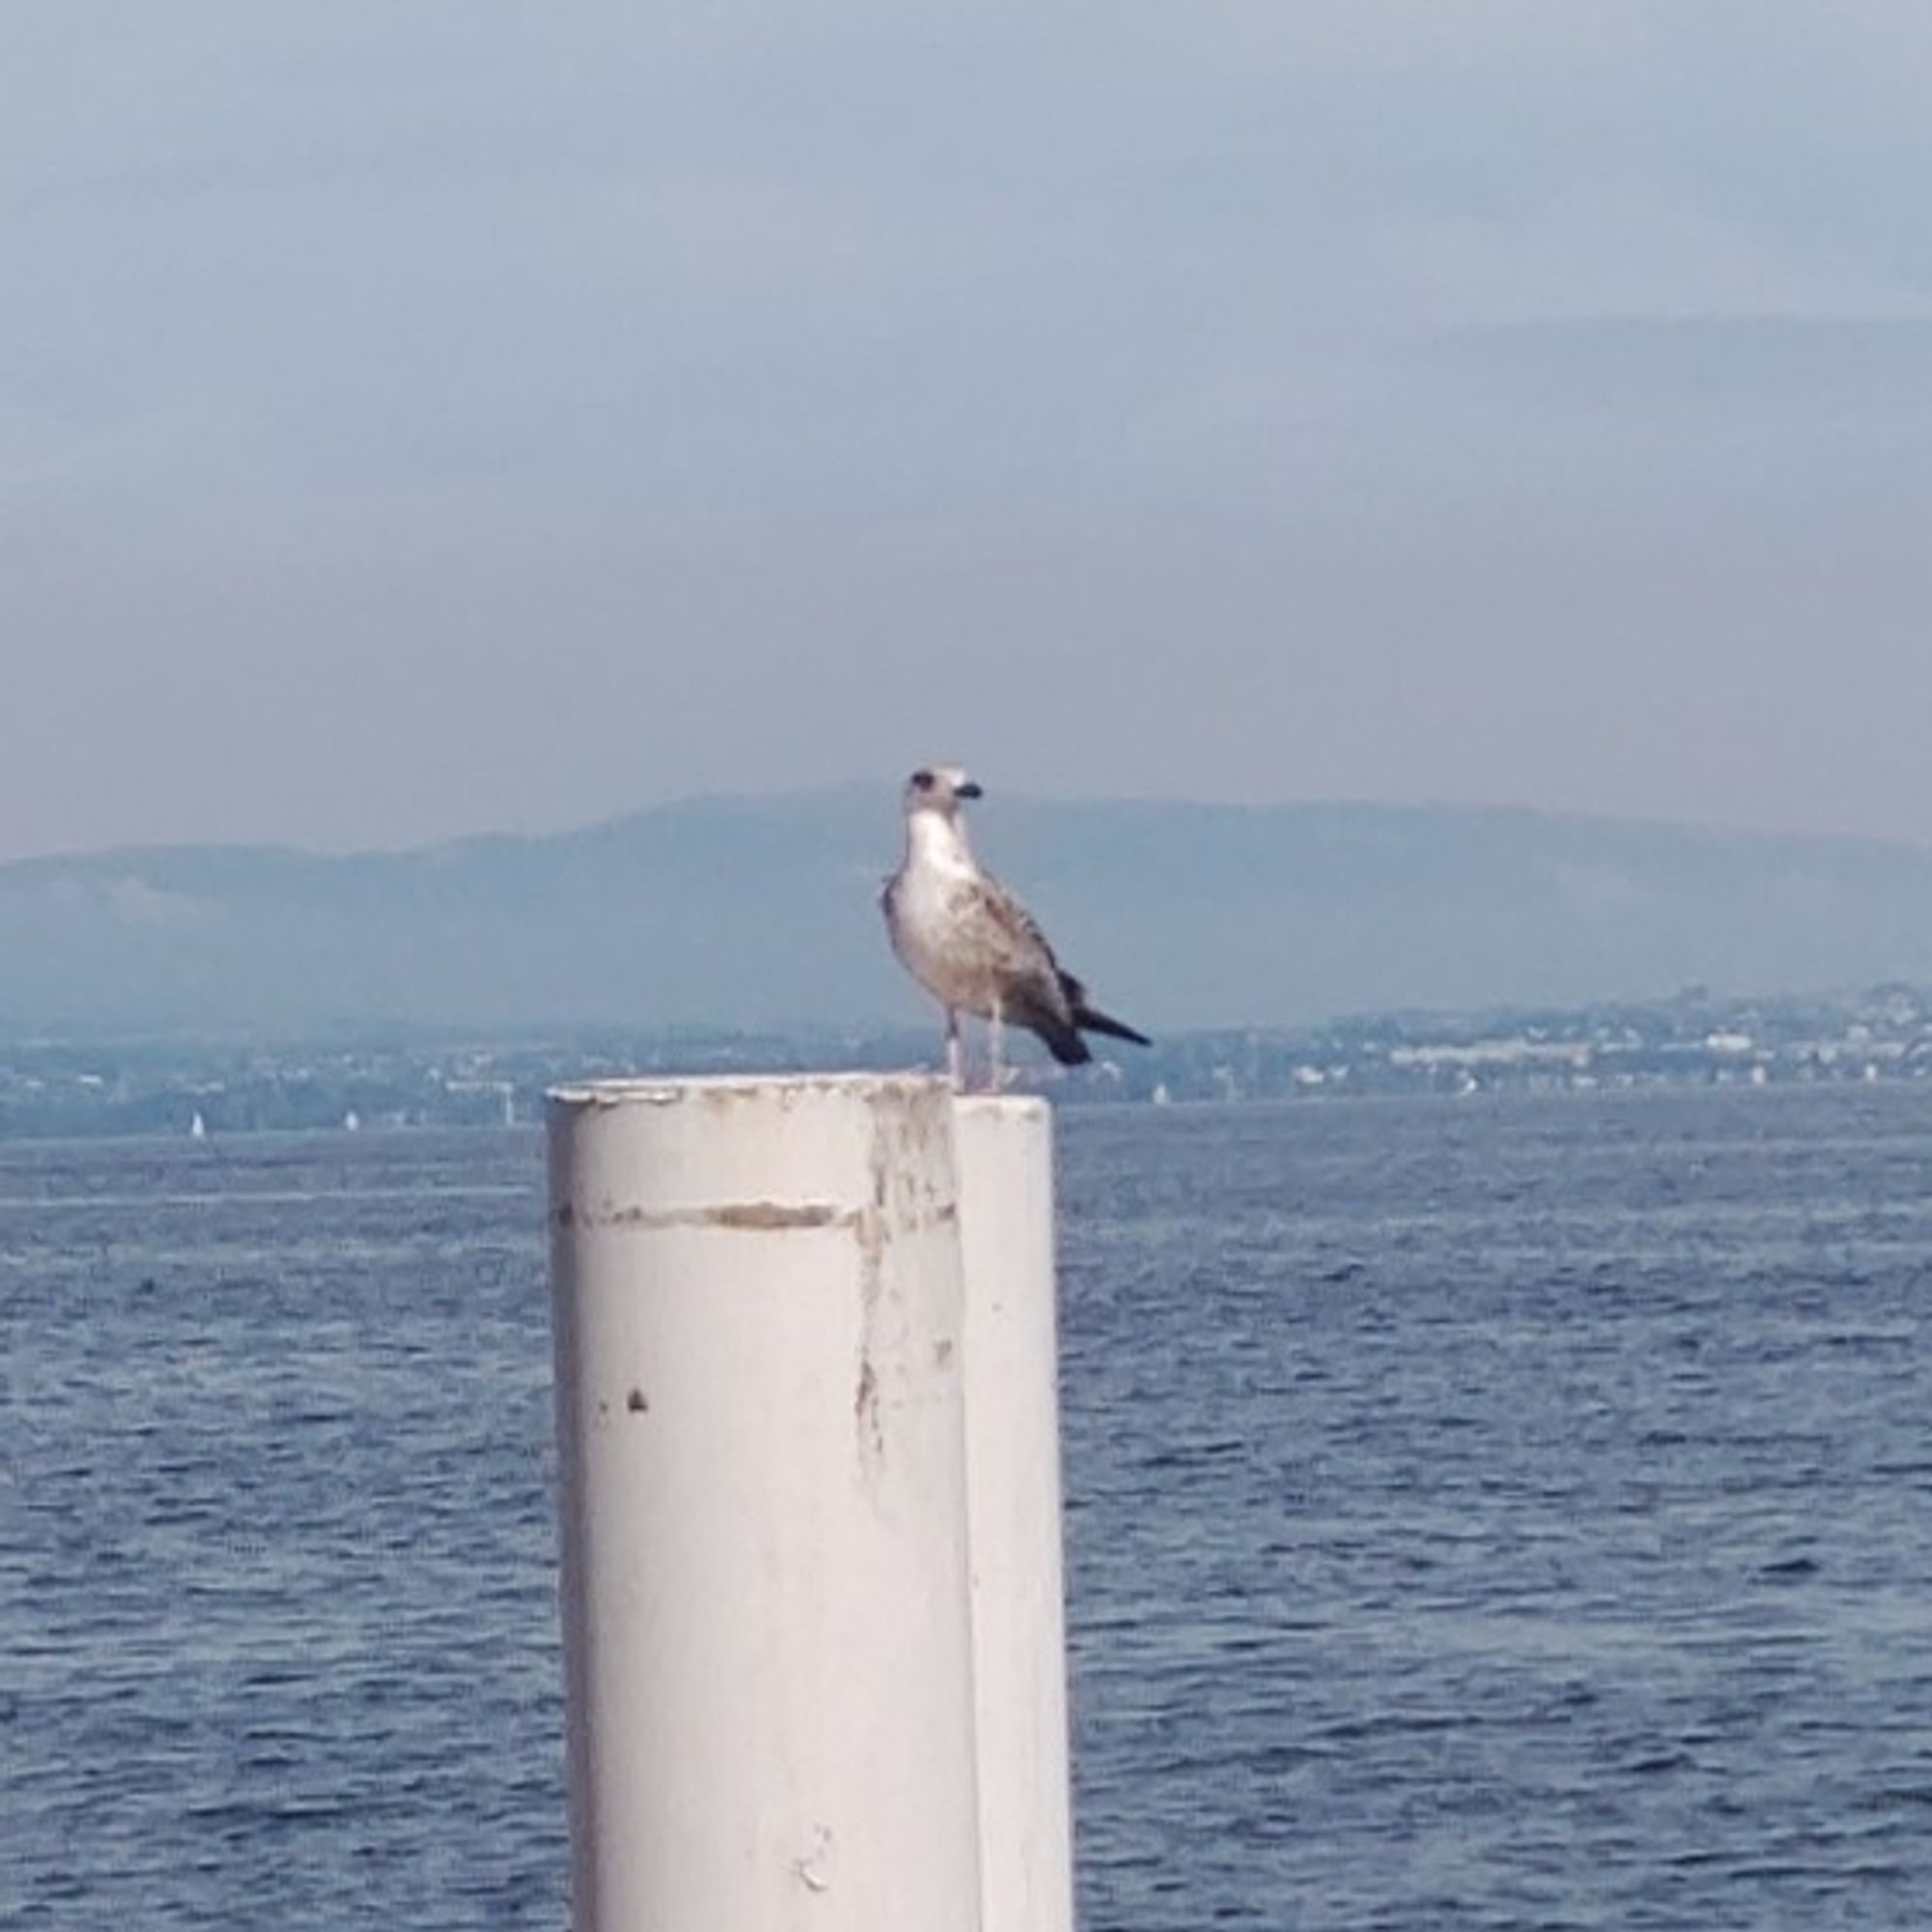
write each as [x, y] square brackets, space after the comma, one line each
[767, 1642]
[1004, 1147]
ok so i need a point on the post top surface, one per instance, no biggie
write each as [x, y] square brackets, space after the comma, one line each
[1005, 1106]
[671, 1090]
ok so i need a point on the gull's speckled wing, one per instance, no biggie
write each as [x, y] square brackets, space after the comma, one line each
[1020, 927]
[1030, 988]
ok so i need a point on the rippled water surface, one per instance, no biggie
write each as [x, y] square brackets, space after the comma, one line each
[1480, 1514]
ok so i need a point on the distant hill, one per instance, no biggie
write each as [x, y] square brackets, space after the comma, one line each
[759, 912]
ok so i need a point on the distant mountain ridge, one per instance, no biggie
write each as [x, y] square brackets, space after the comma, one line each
[761, 912]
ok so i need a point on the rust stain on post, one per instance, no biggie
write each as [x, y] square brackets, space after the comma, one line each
[758, 1217]
[755, 1217]
[866, 1413]
[766, 1216]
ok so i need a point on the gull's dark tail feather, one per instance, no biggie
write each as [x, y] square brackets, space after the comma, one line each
[1088, 1018]
[1066, 1045]
[1058, 1030]
[1091, 1020]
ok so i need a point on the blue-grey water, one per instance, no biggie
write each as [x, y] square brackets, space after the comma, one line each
[1505, 1512]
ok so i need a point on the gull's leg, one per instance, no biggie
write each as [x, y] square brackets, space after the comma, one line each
[955, 1053]
[996, 1034]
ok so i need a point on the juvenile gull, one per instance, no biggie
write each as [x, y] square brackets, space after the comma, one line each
[971, 944]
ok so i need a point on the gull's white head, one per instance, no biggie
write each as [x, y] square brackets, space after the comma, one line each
[937, 788]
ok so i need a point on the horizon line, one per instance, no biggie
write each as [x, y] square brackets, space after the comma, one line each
[322, 853]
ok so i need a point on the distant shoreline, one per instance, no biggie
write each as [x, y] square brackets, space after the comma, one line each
[91, 1087]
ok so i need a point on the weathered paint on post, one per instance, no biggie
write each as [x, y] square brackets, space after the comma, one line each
[757, 1309]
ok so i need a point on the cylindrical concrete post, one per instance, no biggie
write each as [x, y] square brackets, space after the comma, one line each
[1005, 1149]
[767, 1642]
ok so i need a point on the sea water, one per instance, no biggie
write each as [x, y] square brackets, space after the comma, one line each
[1484, 1513]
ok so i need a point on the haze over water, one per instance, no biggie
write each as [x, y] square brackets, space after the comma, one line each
[1486, 1514]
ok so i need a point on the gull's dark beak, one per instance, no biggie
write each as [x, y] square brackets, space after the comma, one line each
[970, 789]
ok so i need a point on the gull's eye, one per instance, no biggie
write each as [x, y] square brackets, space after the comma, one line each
[922, 780]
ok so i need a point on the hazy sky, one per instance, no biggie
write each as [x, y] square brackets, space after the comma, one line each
[419, 418]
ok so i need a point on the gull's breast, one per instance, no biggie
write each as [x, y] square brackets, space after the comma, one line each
[940, 932]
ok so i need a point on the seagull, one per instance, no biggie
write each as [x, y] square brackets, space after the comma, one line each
[971, 944]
